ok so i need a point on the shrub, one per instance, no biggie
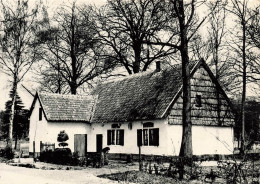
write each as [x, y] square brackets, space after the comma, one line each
[7, 152]
[75, 159]
[62, 138]
[47, 156]
[62, 156]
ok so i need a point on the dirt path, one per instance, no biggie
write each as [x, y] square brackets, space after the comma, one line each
[13, 175]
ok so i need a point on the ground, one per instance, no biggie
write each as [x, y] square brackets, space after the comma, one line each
[115, 172]
[55, 174]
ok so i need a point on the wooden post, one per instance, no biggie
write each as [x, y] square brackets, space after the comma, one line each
[41, 146]
[140, 165]
[34, 151]
[20, 152]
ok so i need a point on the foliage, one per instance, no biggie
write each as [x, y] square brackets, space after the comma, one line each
[16, 51]
[7, 153]
[251, 121]
[20, 123]
[62, 138]
[61, 156]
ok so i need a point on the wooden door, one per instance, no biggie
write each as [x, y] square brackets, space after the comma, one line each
[80, 144]
[99, 142]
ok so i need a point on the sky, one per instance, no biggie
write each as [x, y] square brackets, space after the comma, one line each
[27, 82]
[5, 86]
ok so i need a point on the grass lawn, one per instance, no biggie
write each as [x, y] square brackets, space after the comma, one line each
[207, 174]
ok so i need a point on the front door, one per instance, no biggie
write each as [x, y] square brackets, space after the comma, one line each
[80, 144]
[99, 142]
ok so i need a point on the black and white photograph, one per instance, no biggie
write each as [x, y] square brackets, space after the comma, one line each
[129, 91]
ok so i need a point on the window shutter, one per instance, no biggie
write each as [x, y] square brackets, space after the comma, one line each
[156, 136]
[108, 137]
[139, 137]
[121, 138]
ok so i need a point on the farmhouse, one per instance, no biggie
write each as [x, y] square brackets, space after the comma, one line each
[140, 110]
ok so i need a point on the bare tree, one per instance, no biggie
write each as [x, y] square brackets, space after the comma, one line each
[16, 38]
[184, 25]
[217, 31]
[243, 52]
[124, 26]
[254, 27]
[68, 44]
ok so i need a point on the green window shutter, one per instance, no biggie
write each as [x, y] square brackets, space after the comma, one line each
[121, 137]
[139, 137]
[156, 136]
[108, 137]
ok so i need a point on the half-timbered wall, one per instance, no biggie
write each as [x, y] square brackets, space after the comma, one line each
[213, 111]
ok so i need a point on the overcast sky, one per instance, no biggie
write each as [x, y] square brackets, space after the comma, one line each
[5, 86]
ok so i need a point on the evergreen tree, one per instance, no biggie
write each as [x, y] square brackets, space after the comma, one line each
[21, 122]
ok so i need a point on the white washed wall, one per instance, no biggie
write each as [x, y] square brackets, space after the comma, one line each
[212, 140]
[48, 132]
[130, 138]
[37, 129]
[205, 140]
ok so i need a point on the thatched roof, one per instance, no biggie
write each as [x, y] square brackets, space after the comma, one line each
[57, 107]
[144, 96]
[141, 96]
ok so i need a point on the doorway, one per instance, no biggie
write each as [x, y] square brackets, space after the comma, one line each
[80, 144]
[99, 142]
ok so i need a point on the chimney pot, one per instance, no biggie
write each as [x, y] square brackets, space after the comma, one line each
[158, 66]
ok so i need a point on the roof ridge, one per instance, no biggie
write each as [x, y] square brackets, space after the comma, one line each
[66, 95]
[131, 76]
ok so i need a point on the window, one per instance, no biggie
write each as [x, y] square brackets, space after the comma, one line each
[115, 137]
[198, 101]
[40, 114]
[148, 137]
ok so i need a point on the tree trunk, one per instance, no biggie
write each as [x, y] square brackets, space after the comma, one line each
[243, 88]
[186, 144]
[11, 117]
[215, 55]
[137, 62]
[16, 138]
[73, 88]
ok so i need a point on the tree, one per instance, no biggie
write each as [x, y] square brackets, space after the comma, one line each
[2, 132]
[123, 28]
[254, 27]
[20, 121]
[17, 54]
[243, 53]
[217, 31]
[183, 16]
[62, 138]
[68, 45]
[253, 33]
[50, 79]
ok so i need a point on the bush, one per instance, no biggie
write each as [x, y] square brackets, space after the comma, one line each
[62, 156]
[7, 152]
[47, 156]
